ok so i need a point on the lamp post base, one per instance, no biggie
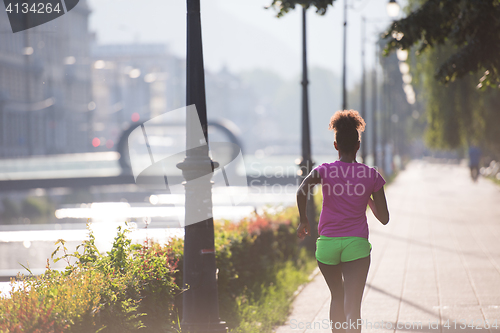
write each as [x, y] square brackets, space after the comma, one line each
[219, 327]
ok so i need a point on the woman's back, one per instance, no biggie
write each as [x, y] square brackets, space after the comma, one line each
[347, 188]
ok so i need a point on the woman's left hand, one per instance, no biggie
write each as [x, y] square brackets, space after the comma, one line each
[303, 230]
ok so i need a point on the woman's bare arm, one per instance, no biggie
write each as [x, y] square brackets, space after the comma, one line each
[302, 194]
[379, 206]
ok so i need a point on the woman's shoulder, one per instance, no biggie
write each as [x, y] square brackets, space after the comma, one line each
[355, 166]
[322, 169]
[372, 171]
[322, 165]
[336, 162]
[326, 165]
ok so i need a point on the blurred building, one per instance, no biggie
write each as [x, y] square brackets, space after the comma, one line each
[45, 86]
[132, 83]
[229, 98]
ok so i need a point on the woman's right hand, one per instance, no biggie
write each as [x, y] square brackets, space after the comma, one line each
[379, 206]
[302, 194]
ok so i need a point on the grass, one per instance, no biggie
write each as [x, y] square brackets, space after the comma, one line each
[390, 179]
[274, 304]
[494, 180]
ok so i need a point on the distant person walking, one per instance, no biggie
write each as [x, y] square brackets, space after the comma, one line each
[343, 249]
[474, 159]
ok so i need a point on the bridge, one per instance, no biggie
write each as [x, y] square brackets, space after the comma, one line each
[114, 167]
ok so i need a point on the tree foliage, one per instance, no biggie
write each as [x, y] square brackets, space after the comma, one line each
[458, 114]
[284, 6]
[471, 26]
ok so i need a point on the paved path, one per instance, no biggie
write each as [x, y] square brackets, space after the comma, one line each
[437, 261]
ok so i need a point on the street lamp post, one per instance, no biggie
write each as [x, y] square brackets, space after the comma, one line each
[344, 74]
[306, 163]
[3, 127]
[385, 123]
[375, 109]
[374, 112]
[363, 82]
[28, 52]
[200, 301]
[393, 11]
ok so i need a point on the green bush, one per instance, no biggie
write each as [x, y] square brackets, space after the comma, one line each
[54, 302]
[250, 254]
[138, 287]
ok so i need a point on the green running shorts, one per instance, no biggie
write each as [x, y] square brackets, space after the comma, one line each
[334, 250]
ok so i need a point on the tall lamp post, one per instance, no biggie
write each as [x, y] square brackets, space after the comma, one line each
[344, 71]
[3, 127]
[363, 82]
[375, 110]
[28, 52]
[393, 11]
[200, 301]
[306, 163]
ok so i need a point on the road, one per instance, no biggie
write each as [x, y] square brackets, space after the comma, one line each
[435, 265]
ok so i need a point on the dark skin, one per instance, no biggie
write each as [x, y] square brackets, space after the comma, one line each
[346, 280]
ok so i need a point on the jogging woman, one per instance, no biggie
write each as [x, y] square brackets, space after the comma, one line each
[342, 249]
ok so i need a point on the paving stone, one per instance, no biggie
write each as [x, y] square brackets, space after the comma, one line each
[438, 259]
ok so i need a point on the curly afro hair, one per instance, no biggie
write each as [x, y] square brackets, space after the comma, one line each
[348, 126]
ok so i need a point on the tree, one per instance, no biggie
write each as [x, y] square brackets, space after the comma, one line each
[458, 114]
[471, 27]
[284, 6]
[456, 42]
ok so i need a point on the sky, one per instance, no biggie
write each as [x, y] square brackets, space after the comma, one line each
[241, 35]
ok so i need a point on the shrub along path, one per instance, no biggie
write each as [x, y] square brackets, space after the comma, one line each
[437, 261]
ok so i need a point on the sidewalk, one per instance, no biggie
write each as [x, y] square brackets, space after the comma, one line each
[437, 261]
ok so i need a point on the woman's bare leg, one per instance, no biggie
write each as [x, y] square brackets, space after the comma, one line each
[333, 278]
[354, 273]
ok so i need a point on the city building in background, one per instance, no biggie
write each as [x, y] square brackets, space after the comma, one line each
[132, 83]
[45, 87]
